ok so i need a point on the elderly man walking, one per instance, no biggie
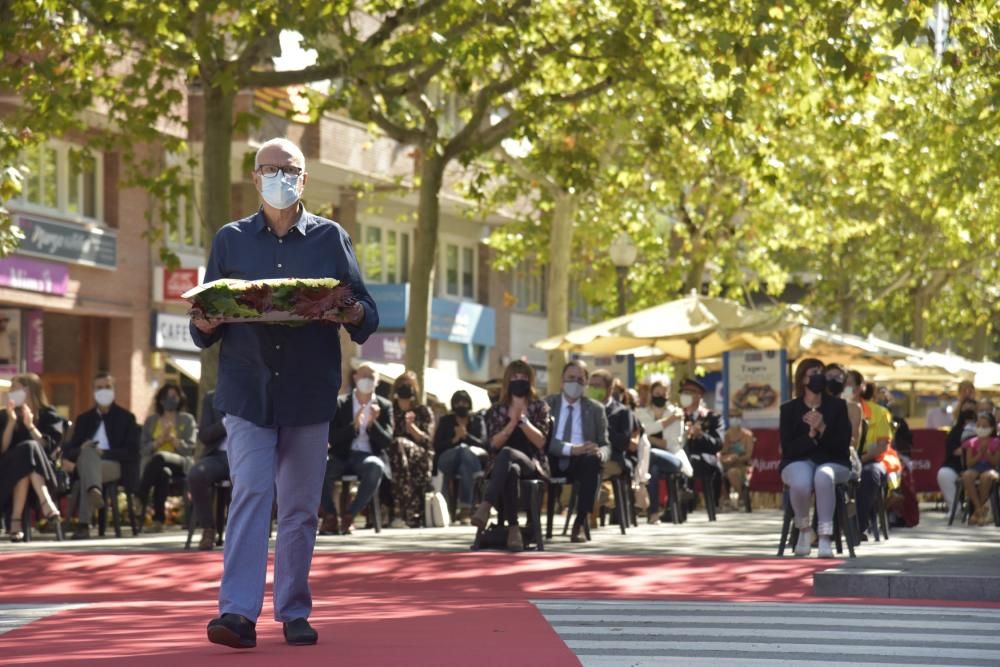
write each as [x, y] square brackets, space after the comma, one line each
[277, 387]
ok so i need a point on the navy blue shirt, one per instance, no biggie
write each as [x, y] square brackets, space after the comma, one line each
[276, 375]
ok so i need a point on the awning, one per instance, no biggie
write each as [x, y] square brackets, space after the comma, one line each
[188, 364]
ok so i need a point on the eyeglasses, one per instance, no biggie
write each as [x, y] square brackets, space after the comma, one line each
[271, 170]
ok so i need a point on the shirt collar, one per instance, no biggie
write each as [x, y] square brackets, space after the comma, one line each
[303, 224]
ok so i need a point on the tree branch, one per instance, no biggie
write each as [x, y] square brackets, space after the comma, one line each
[269, 79]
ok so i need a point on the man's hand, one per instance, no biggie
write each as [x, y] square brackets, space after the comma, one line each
[586, 449]
[206, 325]
[376, 410]
[352, 315]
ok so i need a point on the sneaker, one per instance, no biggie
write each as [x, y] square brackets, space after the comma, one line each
[329, 525]
[804, 545]
[398, 523]
[232, 630]
[825, 548]
[300, 633]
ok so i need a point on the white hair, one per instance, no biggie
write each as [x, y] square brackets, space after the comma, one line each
[285, 144]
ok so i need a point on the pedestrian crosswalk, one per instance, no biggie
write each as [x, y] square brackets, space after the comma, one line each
[13, 616]
[730, 634]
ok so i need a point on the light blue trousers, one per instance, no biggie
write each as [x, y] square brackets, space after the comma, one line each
[294, 459]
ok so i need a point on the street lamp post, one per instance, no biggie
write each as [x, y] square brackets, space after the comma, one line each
[623, 253]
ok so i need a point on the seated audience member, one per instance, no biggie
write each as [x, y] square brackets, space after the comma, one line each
[878, 458]
[815, 435]
[411, 452]
[517, 428]
[982, 457]
[211, 468]
[736, 454]
[619, 457]
[951, 468]
[703, 435]
[663, 424]
[579, 443]
[31, 430]
[105, 441]
[360, 437]
[460, 446]
[168, 439]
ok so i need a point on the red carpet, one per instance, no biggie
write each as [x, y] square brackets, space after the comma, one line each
[150, 608]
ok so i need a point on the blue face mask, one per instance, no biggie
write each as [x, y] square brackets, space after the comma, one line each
[280, 190]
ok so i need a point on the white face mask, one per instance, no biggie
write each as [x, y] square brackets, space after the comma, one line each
[687, 400]
[365, 385]
[18, 396]
[573, 389]
[848, 394]
[984, 431]
[281, 190]
[104, 397]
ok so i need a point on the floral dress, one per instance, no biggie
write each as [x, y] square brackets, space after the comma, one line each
[411, 462]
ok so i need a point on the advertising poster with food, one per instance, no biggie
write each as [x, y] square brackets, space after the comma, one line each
[10, 342]
[756, 384]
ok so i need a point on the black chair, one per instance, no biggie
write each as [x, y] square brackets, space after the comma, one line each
[707, 482]
[110, 492]
[531, 498]
[553, 492]
[841, 525]
[222, 494]
[374, 506]
[675, 502]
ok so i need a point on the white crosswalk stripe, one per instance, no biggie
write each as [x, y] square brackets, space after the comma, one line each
[727, 634]
[13, 616]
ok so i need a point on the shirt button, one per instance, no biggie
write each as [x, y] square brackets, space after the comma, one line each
[281, 240]
[279, 266]
[277, 347]
[276, 373]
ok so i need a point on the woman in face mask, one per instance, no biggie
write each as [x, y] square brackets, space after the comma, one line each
[168, 441]
[815, 434]
[459, 444]
[517, 428]
[982, 457]
[410, 455]
[949, 474]
[663, 424]
[31, 430]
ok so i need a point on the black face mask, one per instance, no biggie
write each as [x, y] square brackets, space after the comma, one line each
[405, 391]
[461, 410]
[520, 388]
[169, 404]
[816, 384]
[834, 387]
[658, 401]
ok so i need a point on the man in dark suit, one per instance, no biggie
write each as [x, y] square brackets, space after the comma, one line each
[104, 448]
[621, 425]
[705, 432]
[360, 434]
[579, 444]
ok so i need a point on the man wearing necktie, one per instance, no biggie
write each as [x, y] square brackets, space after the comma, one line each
[580, 444]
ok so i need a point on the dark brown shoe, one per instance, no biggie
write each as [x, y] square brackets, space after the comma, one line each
[329, 525]
[207, 540]
[232, 630]
[514, 540]
[347, 524]
[579, 535]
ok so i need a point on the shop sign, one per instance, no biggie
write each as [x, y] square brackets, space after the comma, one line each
[384, 347]
[33, 275]
[178, 281]
[34, 340]
[463, 322]
[172, 332]
[68, 242]
[392, 300]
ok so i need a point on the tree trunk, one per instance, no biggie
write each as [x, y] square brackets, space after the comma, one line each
[847, 305]
[557, 289]
[216, 192]
[695, 275]
[921, 299]
[424, 261]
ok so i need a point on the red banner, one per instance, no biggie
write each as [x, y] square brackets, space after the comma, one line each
[927, 456]
[178, 281]
[766, 459]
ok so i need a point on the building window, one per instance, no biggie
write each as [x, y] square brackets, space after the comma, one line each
[528, 287]
[460, 271]
[59, 179]
[385, 254]
[579, 309]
